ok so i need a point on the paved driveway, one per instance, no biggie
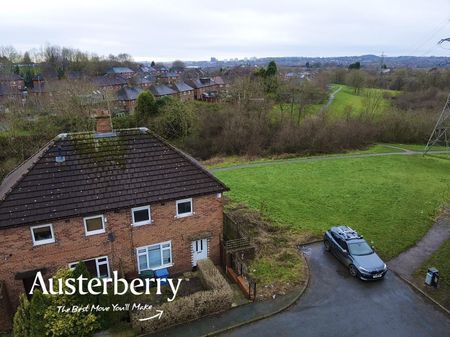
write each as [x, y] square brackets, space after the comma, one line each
[336, 305]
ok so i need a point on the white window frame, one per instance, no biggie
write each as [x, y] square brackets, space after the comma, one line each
[182, 215]
[72, 265]
[42, 242]
[160, 244]
[98, 231]
[140, 223]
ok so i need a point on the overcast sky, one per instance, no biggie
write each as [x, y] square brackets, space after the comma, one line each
[196, 30]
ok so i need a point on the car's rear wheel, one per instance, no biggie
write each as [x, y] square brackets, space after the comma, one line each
[327, 246]
[352, 270]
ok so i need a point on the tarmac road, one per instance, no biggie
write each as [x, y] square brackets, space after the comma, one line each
[335, 305]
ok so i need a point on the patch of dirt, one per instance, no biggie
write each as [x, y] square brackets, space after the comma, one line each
[277, 246]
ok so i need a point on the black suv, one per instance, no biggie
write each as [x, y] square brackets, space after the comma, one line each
[355, 253]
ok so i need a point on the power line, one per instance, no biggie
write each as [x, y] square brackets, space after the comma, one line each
[421, 43]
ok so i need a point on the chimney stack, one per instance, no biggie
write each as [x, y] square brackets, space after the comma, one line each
[103, 123]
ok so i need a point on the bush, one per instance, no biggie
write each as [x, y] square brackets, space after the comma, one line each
[40, 317]
[21, 322]
[175, 119]
[211, 277]
[145, 107]
[217, 298]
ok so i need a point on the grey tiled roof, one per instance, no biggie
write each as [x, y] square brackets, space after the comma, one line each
[120, 70]
[201, 83]
[162, 90]
[128, 93]
[109, 80]
[181, 86]
[128, 168]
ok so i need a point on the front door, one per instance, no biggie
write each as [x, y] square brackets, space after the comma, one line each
[199, 250]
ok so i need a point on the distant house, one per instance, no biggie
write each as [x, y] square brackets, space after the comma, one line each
[302, 75]
[39, 90]
[185, 92]
[143, 68]
[13, 81]
[108, 81]
[38, 81]
[168, 78]
[144, 81]
[122, 71]
[8, 93]
[127, 97]
[162, 90]
[205, 89]
[160, 69]
[219, 81]
[152, 71]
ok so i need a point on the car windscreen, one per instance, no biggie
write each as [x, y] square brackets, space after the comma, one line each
[359, 248]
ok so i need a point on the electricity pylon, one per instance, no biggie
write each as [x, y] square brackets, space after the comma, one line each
[440, 132]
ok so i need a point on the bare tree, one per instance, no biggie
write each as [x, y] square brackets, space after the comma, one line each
[355, 78]
[372, 102]
[10, 53]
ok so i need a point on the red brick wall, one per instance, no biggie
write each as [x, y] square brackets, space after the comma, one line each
[5, 308]
[17, 253]
[186, 95]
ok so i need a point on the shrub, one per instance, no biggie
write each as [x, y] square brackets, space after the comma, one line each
[217, 298]
[21, 327]
[211, 276]
[145, 107]
[40, 317]
[38, 305]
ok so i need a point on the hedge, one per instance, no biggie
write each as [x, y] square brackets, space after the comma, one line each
[218, 297]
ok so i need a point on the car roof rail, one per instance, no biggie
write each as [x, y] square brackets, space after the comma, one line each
[347, 233]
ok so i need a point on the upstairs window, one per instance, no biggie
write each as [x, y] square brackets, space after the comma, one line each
[94, 225]
[42, 234]
[184, 208]
[141, 216]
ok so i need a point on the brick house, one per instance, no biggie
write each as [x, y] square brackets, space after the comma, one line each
[127, 96]
[117, 199]
[185, 92]
[38, 86]
[110, 82]
[13, 81]
[143, 81]
[168, 78]
[205, 89]
[125, 72]
[162, 90]
[10, 94]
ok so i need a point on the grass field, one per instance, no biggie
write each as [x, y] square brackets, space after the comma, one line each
[391, 200]
[347, 100]
[221, 162]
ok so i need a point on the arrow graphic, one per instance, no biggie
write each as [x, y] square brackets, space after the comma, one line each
[159, 314]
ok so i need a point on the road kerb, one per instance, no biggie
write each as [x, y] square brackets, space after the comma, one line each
[424, 294]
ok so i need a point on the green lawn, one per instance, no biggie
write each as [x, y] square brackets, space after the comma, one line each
[347, 101]
[391, 200]
[220, 162]
[417, 147]
[440, 260]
